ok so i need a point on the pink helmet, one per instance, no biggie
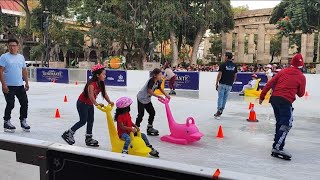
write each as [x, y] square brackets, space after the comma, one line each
[97, 67]
[123, 102]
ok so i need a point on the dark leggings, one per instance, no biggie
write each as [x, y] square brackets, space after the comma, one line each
[149, 108]
[171, 82]
[86, 115]
[21, 94]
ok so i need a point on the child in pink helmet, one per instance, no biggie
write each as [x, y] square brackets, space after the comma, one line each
[125, 125]
[85, 106]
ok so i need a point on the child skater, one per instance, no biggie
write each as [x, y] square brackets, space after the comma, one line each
[251, 84]
[85, 104]
[125, 125]
[171, 76]
[144, 100]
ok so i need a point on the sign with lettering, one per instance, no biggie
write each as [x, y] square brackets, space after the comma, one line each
[114, 77]
[50, 75]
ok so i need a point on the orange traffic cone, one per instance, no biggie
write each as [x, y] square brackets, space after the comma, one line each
[57, 113]
[252, 115]
[220, 132]
[250, 105]
[306, 94]
[54, 81]
[65, 99]
[216, 174]
[76, 83]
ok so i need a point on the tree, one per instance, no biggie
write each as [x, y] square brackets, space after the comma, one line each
[216, 45]
[215, 15]
[240, 9]
[304, 15]
[24, 5]
[275, 46]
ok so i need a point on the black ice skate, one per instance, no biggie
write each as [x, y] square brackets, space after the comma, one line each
[217, 115]
[91, 142]
[172, 92]
[153, 152]
[68, 137]
[125, 151]
[24, 125]
[281, 154]
[8, 127]
[151, 131]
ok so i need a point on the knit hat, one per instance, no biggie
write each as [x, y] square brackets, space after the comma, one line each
[297, 61]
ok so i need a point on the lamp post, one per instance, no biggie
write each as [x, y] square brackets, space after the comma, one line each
[46, 37]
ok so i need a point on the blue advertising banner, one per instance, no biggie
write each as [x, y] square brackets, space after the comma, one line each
[185, 80]
[50, 75]
[114, 77]
[244, 78]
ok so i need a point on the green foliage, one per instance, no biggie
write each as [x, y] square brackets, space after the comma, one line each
[304, 15]
[36, 51]
[240, 9]
[216, 45]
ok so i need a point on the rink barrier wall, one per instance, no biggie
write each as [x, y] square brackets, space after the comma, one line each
[135, 79]
[64, 162]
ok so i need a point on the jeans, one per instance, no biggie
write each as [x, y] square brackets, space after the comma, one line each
[86, 115]
[149, 108]
[21, 94]
[127, 140]
[284, 118]
[223, 93]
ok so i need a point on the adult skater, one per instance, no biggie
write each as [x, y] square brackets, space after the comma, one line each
[227, 75]
[12, 73]
[286, 85]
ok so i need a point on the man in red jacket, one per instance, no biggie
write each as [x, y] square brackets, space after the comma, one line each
[286, 85]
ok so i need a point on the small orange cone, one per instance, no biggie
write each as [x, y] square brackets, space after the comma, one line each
[54, 81]
[220, 132]
[76, 83]
[250, 105]
[252, 115]
[216, 174]
[65, 99]
[57, 113]
[306, 94]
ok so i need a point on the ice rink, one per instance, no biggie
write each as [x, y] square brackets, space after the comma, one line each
[245, 148]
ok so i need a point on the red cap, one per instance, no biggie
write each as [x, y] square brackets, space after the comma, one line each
[297, 61]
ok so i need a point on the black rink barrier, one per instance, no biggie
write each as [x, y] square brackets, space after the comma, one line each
[64, 162]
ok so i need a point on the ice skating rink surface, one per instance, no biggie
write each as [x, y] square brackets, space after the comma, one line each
[245, 147]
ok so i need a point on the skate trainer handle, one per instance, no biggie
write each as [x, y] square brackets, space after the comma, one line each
[164, 100]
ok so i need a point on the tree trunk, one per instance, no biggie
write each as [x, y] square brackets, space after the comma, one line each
[180, 40]
[174, 49]
[28, 20]
[196, 44]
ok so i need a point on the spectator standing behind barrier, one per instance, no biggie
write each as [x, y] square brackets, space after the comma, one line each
[286, 85]
[225, 79]
[12, 73]
[171, 76]
[268, 72]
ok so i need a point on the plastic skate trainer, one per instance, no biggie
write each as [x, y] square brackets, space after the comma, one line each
[180, 133]
[137, 147]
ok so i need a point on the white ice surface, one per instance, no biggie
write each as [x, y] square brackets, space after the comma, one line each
[245, 147]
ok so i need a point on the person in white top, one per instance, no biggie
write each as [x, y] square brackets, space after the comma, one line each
[251, 84]
[269, 72]
[171, 76]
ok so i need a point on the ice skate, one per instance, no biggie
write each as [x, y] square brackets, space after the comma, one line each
[151, 131]
[68, 137]
[153, 152]
[217, 115]
[281, 154]
[172, 92]
[91, 142]
[8, 127]
[125, 151]
[24, 125]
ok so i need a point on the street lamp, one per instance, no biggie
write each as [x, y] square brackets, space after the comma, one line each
[46, 37]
